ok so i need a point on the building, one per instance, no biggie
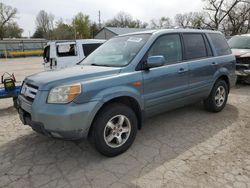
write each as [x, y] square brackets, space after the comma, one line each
[109, 32]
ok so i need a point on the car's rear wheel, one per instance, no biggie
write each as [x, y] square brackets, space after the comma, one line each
[218, 97]
[114, 129]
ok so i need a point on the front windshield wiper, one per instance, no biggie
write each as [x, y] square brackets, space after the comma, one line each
[101, 65]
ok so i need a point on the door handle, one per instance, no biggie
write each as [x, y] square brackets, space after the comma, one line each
[214, 63]
[182, 70]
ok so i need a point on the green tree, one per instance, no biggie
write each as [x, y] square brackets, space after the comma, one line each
[81, 25]
[63, 31]
[94, 28]
[7, 14]
[12, 30]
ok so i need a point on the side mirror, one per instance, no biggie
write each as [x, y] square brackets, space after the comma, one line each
[155, 61]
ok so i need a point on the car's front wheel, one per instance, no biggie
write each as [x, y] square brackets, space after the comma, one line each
[114, 129]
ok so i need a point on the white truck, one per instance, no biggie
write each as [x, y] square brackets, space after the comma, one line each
[63, 54]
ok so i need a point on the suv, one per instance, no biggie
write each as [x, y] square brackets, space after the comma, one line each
[127, 79]
[240, 45]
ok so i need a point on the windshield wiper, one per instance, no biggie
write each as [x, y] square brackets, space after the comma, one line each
[101, 65]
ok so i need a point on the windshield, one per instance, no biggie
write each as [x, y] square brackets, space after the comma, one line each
[117, 52]
[239, 42]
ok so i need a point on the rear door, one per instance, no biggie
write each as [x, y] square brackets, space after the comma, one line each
[201, 63]
[67, 54]
[166, 87]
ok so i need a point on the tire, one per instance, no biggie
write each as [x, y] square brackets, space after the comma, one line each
[111, 135]
[15, 102]
[215, 101]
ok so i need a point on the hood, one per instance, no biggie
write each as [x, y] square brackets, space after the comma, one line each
[241, 52]
[79, 73]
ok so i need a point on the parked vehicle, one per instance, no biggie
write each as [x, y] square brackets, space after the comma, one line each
[240, 45]
[130, 77]
[63, 54]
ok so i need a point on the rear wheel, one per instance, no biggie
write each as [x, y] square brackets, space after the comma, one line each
[114, 129]
[218, 97]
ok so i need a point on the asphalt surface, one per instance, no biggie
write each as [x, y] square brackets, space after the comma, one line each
[187, 147]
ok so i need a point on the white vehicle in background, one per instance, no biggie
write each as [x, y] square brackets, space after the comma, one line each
[63, 54]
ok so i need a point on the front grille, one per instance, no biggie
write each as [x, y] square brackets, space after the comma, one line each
[29, 91]
[243, 60]
[243, 63]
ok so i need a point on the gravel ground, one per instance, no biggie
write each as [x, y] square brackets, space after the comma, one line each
[187, 147]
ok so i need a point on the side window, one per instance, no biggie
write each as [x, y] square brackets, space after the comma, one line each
[89, 48]
[64, 50]
[194, 45]
[220, 44]
[168, 46]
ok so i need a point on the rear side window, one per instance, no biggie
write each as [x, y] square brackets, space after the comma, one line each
[65, 50]
[220, 44]
[89, 48]
[194, 46]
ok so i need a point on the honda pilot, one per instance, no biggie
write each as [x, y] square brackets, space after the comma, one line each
[129, 78]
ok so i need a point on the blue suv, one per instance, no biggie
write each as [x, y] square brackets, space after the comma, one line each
[108, 95]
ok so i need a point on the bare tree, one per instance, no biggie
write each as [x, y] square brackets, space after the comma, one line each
[191, 19]
[44, 22]
[7, 14]
[218, 10]
[163, 22]
[123, 19]
[238, 19]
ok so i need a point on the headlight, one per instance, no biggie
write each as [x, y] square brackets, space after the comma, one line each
[64, 94]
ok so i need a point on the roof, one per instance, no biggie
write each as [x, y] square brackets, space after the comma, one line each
[163, 31]
[121, 31]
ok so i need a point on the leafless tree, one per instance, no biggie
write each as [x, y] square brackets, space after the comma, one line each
[191, 19]
[7, 14]
[44, 22]
[163, 22]
[218, 10]
[123, 19]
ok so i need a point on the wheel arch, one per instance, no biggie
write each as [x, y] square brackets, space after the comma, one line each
[126, 100]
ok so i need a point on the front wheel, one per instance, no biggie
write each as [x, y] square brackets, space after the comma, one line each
[218, 97]
[114, 129]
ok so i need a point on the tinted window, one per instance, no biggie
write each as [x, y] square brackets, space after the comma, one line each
[220, 44]
[89, 48]
[168, 46]
[64, 50]
[194, 45]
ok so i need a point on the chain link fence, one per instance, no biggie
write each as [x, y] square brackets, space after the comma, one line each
[21, 47]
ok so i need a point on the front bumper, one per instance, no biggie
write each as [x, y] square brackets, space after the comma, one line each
[69, 121]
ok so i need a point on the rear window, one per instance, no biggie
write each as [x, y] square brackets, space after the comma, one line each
[220, 44]
[194, 45]
[89, 48]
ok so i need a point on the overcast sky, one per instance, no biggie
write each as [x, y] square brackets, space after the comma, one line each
[144, 10]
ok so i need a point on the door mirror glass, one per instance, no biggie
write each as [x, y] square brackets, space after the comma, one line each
[155, 61]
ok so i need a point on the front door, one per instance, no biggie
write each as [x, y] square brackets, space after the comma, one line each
[166, 87]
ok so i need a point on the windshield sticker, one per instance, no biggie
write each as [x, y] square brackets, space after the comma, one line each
[134, 39]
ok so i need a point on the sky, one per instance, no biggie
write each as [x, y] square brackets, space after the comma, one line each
[144, 10]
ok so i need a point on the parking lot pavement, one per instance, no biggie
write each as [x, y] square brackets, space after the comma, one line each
[187, 147]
